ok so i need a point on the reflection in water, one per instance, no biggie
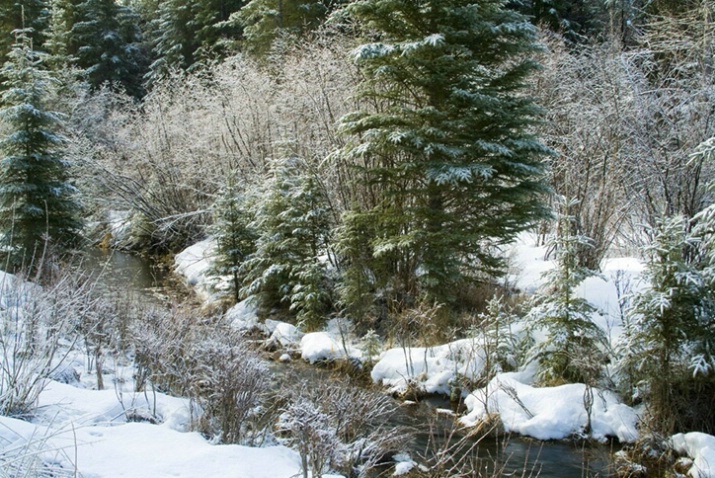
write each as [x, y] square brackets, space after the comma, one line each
[120, 274]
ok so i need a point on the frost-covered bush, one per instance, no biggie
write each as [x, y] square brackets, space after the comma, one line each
[36, 328]
[232, 382]
[340, 427]
[213, 366]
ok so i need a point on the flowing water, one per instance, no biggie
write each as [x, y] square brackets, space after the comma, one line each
[121, 273]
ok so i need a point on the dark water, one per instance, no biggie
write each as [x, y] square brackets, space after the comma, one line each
[127, 275]
[434, 432]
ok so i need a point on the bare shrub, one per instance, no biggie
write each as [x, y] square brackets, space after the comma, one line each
[35, 336]
[195, 357]
[232, 383]
[340, 427]
[166, 159]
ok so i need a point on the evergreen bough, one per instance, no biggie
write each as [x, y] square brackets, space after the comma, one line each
[289, 265]
[445, 151]
[38, 203]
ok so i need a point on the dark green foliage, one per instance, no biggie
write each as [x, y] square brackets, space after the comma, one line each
[189, 32]
[266, 20]
[235, 237]
[446, 153]
[37, 202]
[105, 42]
[668, 353]
[574, 19]
[31, 15]
[289, 265]
[574, 348]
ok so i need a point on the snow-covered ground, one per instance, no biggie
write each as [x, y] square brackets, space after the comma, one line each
[78, 431]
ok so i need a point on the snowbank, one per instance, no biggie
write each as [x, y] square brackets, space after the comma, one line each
[701, 448]
[140, 449]
[88, 429]
[551, 413]
[243, 316]
[318, 346]
[194, 263]
[430, 369]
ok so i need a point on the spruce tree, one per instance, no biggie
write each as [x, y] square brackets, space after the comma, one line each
[31, 15]
[669, 327]
[189, 32]
[234, 235]
[293, 228]
[105, 42]
[574, 347]
[37, 202]
[266, 20]
[447, 151]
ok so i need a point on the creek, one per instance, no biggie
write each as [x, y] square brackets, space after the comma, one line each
[121, 273]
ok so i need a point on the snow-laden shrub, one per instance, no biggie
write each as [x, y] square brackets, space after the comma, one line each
[36, 324]
[232, 382]
[340, 427]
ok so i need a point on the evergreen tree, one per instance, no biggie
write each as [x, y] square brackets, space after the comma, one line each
[669, 327]
[234, 235]
[37, 202]
[446, 153]
[575, 19]
[105, 42]
[574, 348]
[266, 20]
[293, 228]
[31, 15]
[190, 32]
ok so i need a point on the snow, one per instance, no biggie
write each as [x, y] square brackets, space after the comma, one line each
[701, 448]
[430, 369]
[319, 346]
[194, 264]
[243, 316]
[550, 413]
[141, 449]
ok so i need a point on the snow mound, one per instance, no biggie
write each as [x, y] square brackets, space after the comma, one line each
[551, 413]
[318, 346]
[430, 369]
[61, 404]
[701, 448]
[194, 263]
[243, 316]
[283, 333]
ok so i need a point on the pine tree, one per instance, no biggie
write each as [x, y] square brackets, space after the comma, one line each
[234, 235]
[31, 15]
[447, 151]
[266, 20]
[105, 42]
[293, 227]
[37, 202]
[574, 348]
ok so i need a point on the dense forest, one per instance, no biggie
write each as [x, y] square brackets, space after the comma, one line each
[373, 160]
